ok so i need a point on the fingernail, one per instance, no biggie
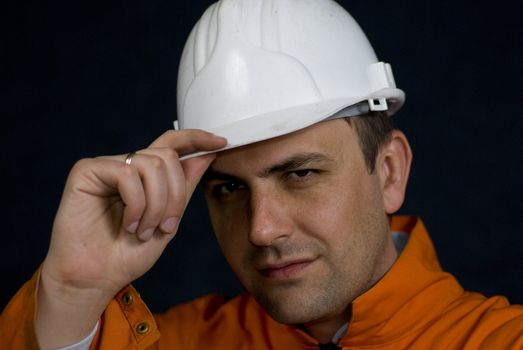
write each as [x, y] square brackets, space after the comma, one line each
[218, 136]
[132, 227]
[169, 225]
[147, 234]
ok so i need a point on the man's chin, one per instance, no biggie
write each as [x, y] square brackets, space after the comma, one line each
[289, 318]
[287, 310]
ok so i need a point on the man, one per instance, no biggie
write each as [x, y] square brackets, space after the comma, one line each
[300, 194]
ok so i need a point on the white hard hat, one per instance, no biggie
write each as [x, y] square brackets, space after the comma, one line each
[256, 69]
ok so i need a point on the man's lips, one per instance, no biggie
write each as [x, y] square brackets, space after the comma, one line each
[284, 270]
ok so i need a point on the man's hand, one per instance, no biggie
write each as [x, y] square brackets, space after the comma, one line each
[113, 223]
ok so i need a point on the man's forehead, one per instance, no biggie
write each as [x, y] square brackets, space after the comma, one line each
[318, 143]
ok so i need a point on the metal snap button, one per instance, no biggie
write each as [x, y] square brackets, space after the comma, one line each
[127, 299]
[142, 328]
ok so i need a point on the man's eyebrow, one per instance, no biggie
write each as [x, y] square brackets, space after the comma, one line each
[211, 174]
[294, 162]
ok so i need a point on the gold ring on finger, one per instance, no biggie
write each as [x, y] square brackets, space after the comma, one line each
[129, 158]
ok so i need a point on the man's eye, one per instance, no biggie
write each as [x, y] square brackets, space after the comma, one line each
[300, 175]
[227, 188]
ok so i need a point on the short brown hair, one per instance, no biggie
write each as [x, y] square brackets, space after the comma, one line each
[374, 130]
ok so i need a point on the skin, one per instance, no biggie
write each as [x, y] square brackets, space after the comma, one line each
[113, 223]
[115, 220]
[302, 222]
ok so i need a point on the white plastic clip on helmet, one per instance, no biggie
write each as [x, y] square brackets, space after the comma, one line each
[256, 69]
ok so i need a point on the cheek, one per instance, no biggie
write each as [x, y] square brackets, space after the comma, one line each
[231, 231]
[227, 218]
[336, 207]
[346, 219]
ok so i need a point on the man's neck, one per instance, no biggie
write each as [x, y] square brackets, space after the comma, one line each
[325, 329]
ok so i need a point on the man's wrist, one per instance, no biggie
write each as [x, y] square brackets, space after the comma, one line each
[64, 314]
[84, 343]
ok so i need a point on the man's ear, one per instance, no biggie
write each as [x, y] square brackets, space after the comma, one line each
[393, 167]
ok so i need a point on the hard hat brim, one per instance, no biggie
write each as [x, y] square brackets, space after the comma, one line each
[278, 123]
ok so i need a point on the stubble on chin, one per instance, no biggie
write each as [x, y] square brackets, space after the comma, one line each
[299, 302]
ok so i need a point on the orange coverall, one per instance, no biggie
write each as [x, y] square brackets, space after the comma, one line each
[414, 306]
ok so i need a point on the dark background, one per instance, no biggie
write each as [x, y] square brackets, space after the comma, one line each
[90, 78]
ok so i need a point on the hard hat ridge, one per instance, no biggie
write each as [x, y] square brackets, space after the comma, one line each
[256, 69]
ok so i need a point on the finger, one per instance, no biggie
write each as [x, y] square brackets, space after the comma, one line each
[133, 196]
[189, 141]
[181, 180]
[176, 195]
[107, 177]
[153, 172]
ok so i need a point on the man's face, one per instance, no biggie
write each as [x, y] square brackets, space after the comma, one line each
[301, 221]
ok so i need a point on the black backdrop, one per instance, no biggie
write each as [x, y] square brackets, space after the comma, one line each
[91, 78]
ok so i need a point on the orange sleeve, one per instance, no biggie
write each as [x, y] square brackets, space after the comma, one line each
[126, 323]
[17, 319]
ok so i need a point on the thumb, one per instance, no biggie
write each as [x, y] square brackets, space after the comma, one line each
[194, 168]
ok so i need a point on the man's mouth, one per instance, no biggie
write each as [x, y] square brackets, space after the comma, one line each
[284, 270]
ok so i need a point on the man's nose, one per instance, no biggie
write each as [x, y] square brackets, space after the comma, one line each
[270, 219]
